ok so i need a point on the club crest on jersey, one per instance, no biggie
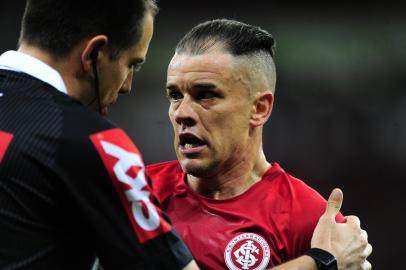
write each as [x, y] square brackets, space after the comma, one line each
[126, 170]
[247, 251]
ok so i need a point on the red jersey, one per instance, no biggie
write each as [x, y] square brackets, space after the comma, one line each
[270, 223]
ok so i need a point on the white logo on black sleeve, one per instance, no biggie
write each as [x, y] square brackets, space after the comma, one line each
[136, 194]
[247, 251]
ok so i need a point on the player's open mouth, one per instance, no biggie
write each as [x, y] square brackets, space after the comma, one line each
[189, 143]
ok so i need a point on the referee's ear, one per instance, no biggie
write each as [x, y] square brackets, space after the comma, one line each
[262, 108]
[96, 43]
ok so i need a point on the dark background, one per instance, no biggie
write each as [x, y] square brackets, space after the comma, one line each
[339, 118]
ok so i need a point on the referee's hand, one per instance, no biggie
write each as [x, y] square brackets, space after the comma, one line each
[346, 241]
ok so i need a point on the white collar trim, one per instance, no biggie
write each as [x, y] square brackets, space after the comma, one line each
[21, 62]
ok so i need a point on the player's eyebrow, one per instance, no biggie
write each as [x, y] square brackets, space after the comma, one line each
[171, 86]
[204, 86]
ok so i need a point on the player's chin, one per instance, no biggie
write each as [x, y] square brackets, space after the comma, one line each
[195, 167]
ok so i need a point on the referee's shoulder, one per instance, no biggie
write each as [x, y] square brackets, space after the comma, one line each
[80, 120]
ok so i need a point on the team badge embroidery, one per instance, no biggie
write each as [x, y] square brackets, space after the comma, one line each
[247, 251]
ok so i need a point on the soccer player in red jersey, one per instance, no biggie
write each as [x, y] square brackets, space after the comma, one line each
[233, 208]
[72, 184]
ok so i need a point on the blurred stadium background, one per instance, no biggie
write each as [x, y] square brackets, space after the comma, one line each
[339, 118]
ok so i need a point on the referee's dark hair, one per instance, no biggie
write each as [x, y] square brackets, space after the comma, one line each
[236, 37]
[57, 26]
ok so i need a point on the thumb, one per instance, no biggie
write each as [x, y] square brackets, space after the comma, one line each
[334, 203]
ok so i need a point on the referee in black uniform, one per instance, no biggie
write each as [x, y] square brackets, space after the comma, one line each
[72, 185]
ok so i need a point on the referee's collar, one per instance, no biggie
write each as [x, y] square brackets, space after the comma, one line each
[21, 62]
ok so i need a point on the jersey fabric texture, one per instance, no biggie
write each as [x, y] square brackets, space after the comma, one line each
[63, 200]
[270, 223]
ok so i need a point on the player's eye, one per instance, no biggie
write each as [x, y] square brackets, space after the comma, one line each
[205, 94]
[174, 95]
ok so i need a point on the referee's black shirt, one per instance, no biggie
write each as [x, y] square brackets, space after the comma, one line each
[61, 203]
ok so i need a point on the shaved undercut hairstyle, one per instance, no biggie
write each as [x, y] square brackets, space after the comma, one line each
[252, 45]
[57, 26]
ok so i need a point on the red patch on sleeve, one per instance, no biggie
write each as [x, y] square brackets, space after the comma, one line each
[125, 166]
[5, 139]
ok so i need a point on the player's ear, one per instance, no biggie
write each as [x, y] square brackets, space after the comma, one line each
[262, 108]
[92, 50]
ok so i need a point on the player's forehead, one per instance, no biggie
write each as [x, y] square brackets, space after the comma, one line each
[218, 65]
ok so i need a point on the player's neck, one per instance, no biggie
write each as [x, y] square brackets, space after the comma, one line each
[231, 181]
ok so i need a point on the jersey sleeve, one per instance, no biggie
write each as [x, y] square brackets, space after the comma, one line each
[307, 207]
[107, 191]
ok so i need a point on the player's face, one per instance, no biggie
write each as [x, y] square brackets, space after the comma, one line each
[210, 108]
[116, 76]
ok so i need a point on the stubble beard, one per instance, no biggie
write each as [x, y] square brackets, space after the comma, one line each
[200, 170]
